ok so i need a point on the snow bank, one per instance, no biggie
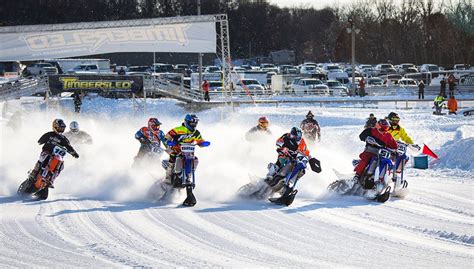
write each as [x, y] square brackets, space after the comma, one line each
[458, 154]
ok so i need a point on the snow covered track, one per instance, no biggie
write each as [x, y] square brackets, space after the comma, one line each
[97, 217]
[327, 232]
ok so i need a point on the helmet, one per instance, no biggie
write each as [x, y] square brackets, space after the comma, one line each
[74, 126]
[393, 118]
[310, 115]
[296, 133]
[154, 125]
[263, 122]
[59, 126]
[382, 125]
[191, 121]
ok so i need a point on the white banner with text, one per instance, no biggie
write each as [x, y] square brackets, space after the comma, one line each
[184, 37]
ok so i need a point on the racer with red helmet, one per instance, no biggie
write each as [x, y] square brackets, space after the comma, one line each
[261, 128]
[382, 137]
[148, 136]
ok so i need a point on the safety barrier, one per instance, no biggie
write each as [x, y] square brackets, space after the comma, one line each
[23, 87]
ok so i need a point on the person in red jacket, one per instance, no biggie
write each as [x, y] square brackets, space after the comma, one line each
[382, 137]
[205, 88]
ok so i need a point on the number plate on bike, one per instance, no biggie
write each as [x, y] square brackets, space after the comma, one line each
[402, 148]
[384, 153]
[59, 151]
[187, 148]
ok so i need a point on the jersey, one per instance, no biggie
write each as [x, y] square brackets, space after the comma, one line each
[79, 137]
[384, 139]
[286, 142]
[145, 134]
[399, 133]
[181, 134]
[255, 131]
[51, 139]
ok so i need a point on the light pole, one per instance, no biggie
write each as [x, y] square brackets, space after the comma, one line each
[353, 31]
[200, 54]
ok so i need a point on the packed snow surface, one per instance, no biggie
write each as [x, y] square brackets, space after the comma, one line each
[98, 214]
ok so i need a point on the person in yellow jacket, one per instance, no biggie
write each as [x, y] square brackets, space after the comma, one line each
[452, 105]
[397, 131]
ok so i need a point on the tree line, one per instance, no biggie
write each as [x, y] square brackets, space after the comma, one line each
[417, 31]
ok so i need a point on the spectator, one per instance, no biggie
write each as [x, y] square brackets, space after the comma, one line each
[452, 105]
[452, 84]
[121, 71]
[421, 90]
[77, 101]
[438, 104]
[442, 91]
[205, 88]
[362, 87]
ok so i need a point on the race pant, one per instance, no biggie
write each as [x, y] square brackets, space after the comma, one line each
[364, 161]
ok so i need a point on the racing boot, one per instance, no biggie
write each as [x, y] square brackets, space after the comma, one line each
[350, 184]
[269, 178]
[34, 173]
[169, 173]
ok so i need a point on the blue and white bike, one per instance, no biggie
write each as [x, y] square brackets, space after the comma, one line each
[383, 176]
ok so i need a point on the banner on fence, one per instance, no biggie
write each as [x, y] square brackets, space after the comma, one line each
[70, 83]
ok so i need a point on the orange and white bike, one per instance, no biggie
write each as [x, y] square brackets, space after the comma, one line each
[39, 187]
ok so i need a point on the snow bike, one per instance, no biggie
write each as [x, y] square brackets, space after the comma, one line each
[153, 154]
[374, 183]
[310, 132]
[39, 187]
[182, 176]
[283, 182]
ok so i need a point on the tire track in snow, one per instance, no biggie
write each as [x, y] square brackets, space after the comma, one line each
[191, 238]
[81, 227]
[397, 235]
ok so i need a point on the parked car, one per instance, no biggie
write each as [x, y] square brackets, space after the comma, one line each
[84, 69]
[391, 80]
[384, 69]
[349, 72]
[405, 68]
[139, 69]
[306, 85]
[429, 68]
[215, 86]
[162, 68]
[308, 69]
[407, 82]
[251, 84]
[182, 68]
[374, 81]
[336, 88]
[269, 67]
[212, 69]
[287, 69]
[40, 69]
[459, 67]
[332, 68]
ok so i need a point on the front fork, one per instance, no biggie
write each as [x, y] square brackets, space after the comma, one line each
[185, 168]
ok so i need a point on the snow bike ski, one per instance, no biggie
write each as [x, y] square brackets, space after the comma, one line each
[374, 183]
[43, 181]
[153, 154]
[183, 176]
[283, 182]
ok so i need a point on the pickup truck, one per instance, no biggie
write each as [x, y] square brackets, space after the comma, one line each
[40, 69]
[91, 69]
